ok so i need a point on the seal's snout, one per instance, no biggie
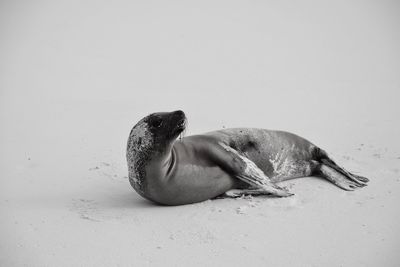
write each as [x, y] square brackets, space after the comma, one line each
[179, 119]
[179, 113]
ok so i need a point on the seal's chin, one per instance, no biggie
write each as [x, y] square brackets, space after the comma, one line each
[180, 127]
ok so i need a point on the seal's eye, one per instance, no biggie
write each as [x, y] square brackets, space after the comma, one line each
[156, 122]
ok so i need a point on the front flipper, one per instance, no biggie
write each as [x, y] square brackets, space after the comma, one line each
[251, 174]
[235, 193]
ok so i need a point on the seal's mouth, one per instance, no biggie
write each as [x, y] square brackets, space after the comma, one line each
[178, 120]
[181, 128]
[181, 124]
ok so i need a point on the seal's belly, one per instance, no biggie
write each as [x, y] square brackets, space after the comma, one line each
[281, 155]
[195, 183]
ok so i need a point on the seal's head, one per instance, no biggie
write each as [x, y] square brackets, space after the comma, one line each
[152, 137]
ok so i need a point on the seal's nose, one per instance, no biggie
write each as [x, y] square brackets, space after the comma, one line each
[178, 113]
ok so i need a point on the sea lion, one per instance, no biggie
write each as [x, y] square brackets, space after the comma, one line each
[229, 162]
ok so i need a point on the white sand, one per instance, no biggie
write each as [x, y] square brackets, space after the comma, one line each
[75, 77]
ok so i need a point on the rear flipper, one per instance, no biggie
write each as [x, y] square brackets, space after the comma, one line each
[356, 178]
[339, 176]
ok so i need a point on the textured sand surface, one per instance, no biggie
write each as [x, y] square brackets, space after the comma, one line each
[76, 76]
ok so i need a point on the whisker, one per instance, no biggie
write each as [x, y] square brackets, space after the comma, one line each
[182, 134]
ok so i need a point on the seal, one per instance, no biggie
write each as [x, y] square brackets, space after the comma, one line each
[230, 162]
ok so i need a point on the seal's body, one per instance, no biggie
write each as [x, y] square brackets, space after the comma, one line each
[280, 155]
[232, 162]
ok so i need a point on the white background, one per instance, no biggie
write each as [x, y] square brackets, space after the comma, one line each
[75, 76]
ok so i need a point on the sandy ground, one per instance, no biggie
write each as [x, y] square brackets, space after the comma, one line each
[76, 76]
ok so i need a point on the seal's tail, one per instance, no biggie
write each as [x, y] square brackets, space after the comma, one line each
[338, 175]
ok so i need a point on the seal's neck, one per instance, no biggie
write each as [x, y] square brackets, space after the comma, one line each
[170, 162]
[168, 159]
